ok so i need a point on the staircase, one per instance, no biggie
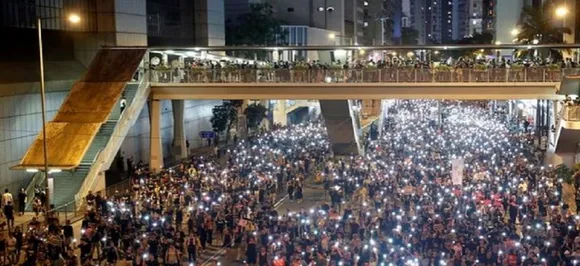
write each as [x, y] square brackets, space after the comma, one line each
[68, 183]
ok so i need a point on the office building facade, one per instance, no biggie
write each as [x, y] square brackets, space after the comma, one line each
[69, 49]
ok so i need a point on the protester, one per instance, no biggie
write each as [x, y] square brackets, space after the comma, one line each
[404, 202]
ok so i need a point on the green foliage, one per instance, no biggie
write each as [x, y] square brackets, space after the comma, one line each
[480, 67]
[409, 36]
[443, 68]
[538, 24]
[255, 113]
[565, 173]
[257, 27]
[224, 116]
[478, 38]
[300, 66]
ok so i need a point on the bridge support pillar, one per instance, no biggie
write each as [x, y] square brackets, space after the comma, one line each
[342, 129]
[179, 146]
[280, 116]
[156, 147]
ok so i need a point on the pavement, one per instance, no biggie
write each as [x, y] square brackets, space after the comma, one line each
[313, 195]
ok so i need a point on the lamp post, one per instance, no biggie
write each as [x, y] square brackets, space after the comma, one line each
[73, 18]
[561, 12]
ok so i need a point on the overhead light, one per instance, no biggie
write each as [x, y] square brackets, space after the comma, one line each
[74, 18]
[331, 36]
[54, 171]
[330, 9]
[190, 53]
[32, 170]
[497, 42]
[169, 51]
[320, 9]
[536, 41]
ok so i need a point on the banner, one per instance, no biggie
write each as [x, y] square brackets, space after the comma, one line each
[457, 171]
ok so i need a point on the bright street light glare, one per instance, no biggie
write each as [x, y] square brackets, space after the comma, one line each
[561, 11]
[74, 18]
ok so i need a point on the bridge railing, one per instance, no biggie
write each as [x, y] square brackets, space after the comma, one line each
[571, 113]
[370, 75]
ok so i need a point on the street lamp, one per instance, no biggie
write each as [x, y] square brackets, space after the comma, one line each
[73, 18]
[561, 12]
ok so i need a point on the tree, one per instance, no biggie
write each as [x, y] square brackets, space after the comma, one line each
[224, 116]
[477, 38]
[537, 26]
[255, 113]
[257, 27]
[409, 36]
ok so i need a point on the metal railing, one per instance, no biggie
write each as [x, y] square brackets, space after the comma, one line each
[71, 210]
[375, 75]
[571, 113]
[105, 156]
[37, 180]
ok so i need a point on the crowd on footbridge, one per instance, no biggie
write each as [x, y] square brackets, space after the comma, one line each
[462, 69]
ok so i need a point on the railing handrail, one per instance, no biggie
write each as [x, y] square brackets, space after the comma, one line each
[571, 113]
[91, 178]
[37, 178]
[365, 75]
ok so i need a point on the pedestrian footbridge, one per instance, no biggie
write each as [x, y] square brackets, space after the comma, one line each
[89, 128]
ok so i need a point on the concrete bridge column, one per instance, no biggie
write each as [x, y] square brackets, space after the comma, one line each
[179, 146]
[280, 116]
[340, 126]
[156, 147]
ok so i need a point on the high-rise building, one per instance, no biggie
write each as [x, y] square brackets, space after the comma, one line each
[382, 21]
[233, 9]
[343, 16]
[437, 21]
[69, 48]
[488, 16]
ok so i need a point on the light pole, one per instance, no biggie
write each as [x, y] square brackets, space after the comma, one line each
[73, 18]
[561, 12]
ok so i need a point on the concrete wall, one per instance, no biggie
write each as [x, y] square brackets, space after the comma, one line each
[197, 114]
[209, 22]
[303, 13]
[120, 23]
[20, 123]
[507, 17]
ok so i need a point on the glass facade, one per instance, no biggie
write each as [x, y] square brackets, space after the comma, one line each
[54, 13]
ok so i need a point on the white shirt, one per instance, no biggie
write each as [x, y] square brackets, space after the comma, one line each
[6, 197]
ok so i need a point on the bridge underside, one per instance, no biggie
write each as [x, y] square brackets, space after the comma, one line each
[339, 124]
[343, 91]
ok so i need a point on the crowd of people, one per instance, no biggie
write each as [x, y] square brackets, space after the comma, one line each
[457, 186]
[394, 62]
[461, 69]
